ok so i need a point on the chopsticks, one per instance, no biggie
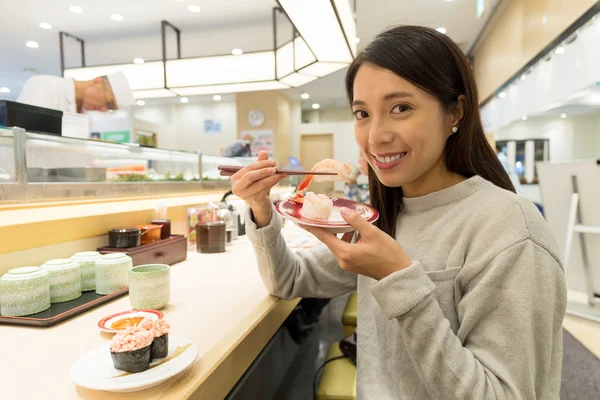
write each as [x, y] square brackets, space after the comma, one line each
[229, 170]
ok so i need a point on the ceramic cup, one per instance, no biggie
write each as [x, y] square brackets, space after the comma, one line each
[24, 291]
[65, 279]
[150, 286]
[87, 263]
[112, 272]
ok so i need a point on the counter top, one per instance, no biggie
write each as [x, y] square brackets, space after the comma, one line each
[218, 301]
[44, 212]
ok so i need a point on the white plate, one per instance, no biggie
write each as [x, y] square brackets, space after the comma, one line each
[95, 370]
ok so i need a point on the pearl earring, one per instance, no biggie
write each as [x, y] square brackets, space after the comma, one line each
[454, 129]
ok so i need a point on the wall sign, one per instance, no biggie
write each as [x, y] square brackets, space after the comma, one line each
[212, 126]
[117, 136]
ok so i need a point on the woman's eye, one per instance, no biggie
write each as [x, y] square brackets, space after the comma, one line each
[360, 114]
[401, 108]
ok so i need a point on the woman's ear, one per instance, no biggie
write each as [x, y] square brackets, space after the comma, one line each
[459, 111]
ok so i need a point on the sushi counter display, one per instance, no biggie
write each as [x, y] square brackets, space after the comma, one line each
[219, 316]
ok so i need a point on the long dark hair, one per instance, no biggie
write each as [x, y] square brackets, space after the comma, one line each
[433, 62]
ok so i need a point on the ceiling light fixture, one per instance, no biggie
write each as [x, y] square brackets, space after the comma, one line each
[4, 90]
[563, 115]
[76, 9]
[524, 118]
[441, 30]
[502, 95]
[311, 55]
[316, 106]
[138, 60]
[237, 52]
[194, 8]
[184, 100]
[523, 77]
[32, 45]
[559, 50]
[140, 102]
[45, 25]
[216, 97]
[304, 96]
[357, 40]
[116, 17]
[330, 38]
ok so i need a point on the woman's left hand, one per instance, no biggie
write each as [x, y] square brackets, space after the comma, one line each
[375, 255]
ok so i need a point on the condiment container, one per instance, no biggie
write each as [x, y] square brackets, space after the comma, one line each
[150, 233]
[112, 272]
[124, 238]
[87, 265]
[165, 227]
[24, 291]
[65, 279]
[211, 237]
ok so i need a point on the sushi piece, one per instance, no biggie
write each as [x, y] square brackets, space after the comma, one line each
[131, 349]
[344, 171]
[317, 206]
[160, 332]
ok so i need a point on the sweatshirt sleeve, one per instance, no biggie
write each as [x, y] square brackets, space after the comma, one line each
[307, 273]
[509, 343]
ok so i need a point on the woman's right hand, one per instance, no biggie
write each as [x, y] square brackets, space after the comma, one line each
[253, 184]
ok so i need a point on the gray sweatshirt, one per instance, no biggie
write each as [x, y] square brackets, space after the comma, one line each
[477, 315]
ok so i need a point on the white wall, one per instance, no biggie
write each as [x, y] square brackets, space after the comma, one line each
[181, 126]
[570, 139]
[327, 115]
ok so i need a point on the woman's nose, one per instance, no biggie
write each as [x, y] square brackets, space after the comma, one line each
[380, 132]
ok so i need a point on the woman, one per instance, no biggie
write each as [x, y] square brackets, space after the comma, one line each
[461, 292]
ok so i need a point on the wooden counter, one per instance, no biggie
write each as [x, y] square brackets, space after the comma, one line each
[218, 301]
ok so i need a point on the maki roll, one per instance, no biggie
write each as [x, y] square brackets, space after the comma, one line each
[131, 349]
[160, 332]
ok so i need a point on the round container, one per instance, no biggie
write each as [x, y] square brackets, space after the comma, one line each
[165, 230]
[65, 279]
[149, 286]
[150, 233]
[112, 272]
[124, 238]
[211, 237]
[87, 265]
[24, 291]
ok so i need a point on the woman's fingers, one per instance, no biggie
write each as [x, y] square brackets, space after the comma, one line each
[254, 176]
[263, 155]
[264, 185]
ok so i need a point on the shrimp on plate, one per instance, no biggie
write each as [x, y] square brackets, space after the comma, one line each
[344, 172]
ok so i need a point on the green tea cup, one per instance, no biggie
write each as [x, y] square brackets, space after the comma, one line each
[150, 286]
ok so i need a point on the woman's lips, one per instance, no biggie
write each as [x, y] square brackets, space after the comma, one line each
[388, 160]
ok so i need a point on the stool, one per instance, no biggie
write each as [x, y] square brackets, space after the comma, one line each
[338, 381]
[350, 314]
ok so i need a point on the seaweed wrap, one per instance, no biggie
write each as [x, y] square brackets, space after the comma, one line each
[160, 332]
[131, 349]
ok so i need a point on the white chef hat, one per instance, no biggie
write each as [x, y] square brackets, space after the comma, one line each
[121, 90]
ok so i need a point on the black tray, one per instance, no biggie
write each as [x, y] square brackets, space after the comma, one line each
[59, 312]
[31, 118]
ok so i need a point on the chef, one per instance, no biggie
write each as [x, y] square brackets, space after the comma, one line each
[103, 93]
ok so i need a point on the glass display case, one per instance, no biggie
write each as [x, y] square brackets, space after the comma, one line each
[35, 167]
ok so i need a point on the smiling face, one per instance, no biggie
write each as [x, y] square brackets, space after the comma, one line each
[401, 130]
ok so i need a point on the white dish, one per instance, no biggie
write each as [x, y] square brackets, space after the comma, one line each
[95, 370]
